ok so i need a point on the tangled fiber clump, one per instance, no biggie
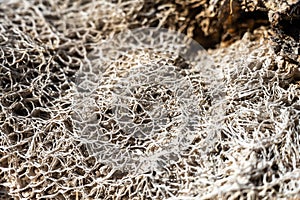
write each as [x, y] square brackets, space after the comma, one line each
[242, 134]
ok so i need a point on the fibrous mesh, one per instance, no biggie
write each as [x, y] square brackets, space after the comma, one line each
[77, 122]
[145, 94]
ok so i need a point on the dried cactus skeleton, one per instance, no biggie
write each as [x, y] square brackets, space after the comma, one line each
[86, 113]
[152, 105]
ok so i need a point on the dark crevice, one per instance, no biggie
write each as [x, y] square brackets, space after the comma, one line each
[291, 28]
[288, 23]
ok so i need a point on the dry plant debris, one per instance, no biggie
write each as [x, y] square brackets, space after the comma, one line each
[252, 154]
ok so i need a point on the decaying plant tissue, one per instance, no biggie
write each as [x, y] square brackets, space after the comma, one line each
[149, 99]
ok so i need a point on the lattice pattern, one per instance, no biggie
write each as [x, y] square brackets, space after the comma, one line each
[88, 112]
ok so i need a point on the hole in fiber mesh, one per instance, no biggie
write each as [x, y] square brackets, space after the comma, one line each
[38, 113]
[5, 83]
[258, 178]
[276, 187]
[4, 193]
[274, 167]
[20, 110]
[7, 128]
